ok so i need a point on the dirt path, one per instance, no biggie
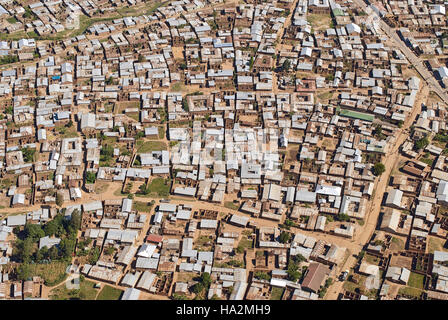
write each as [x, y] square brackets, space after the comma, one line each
[391, 161]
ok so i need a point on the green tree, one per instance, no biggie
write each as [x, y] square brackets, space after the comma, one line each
[198, 288]
[422, 143]
[94, 255]
[284, 237]
[75, 220]
[28, 154]
[205, 279]
[378, 169]
[24, 271]
[90, 177]
[67, 246]
[293, 271]
[54, 253]
[59, 199]
[262, 275]
[286, 65]
[24, 250]
[34, 231]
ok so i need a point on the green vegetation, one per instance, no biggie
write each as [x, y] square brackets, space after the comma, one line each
[12, 20]
[90, 177]
[378, 132]
[421, 143]
[109, 293]
[28, 154]
[323, 290]
[106, 154]
[157, 187]
[244, 243]
[86, 291]
[293, 267]
[441, 136]
[277, 293]
[142, 206]
[52, 273]
[8, 59]
[409, 291]
[231, 205]
[286, 65]
[48, 263]
[262, 275]
[284, 237]
[149, 146]
[379, 169]
[356, 115]
[428, 161]
[342, 217]
[416, 280]
[202, 286]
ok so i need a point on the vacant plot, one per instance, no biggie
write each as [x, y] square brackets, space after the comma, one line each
[231, 205]
[397, 244]
[109, 293]
[409, 291]
[86, 291]
[436, 244]
[161, 132]
[325, 95]
[319, 21]
[158, 188]
[372, 259]
[53, 273]
[416, 280]
[244, 243]
[149, 146]
[277, 293]
[178, 86]
[141, 206]
[101, 187]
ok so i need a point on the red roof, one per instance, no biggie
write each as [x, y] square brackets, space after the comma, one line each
[154, 238]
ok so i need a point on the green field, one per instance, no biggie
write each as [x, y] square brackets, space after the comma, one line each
[416, 280]
[149, 146]
[356, 115]
[276, 293]
[141, 206]
[109, 293]
[158, 187]
[53, 273]
[86, 291]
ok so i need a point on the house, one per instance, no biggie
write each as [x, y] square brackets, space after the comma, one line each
[315, 276]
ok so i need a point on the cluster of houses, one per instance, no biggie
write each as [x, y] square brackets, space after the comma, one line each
[255, 127]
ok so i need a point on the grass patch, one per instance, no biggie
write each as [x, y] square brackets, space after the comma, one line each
[178, 86]
[149, 146]
[244, 243]
[416, 280]
[325, 95]
[277, 293]
[428, 161]
[158, 187]
[86, 291]
[372, 259]
[109, 293]
[435, 244]
[409, 291]
[231, 205]
[397, 244]
[141, 206]
[161, 132]
[53, 273]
